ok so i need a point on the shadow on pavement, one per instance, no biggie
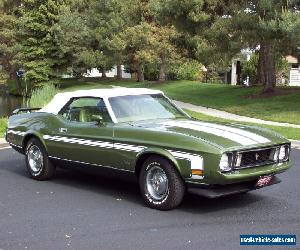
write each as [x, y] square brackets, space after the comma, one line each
[114, 183]
[196, 204]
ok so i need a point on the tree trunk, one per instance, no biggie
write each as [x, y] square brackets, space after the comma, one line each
[13, 76]
[103, 73]
[270, 71]
[11, 70]
[260, 78]
[266, 72]
[119, 71]
[162, 69]
[140, 72]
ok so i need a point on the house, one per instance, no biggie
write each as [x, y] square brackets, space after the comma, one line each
[293, 79]
[111, 73]
[294, 75]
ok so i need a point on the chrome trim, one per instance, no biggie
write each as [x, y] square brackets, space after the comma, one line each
[110, 110]
[35, 159]
[180, 109]
[259, 149]
[157, 183]
[255, 166]
[91, 164]
[271, 162]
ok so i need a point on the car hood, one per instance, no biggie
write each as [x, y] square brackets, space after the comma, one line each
[221, 135]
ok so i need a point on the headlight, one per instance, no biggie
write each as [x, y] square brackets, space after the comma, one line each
[276, 154]
[284, 152]
[225, 163]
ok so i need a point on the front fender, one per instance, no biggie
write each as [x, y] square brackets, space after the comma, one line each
[182, 165]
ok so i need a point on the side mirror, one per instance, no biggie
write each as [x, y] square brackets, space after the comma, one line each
[98, 119]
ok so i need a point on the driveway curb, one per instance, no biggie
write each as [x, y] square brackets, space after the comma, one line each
[295, 144]
[3, 143]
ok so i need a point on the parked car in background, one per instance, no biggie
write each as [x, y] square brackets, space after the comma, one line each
[141, 131]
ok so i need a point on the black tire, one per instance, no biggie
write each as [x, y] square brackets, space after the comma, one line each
[47, 169]
[175, 185]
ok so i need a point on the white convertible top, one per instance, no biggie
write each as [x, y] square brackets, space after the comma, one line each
[59, 100]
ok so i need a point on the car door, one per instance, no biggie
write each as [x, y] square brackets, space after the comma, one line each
[84, 133]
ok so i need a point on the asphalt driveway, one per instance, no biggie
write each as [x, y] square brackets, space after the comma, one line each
[82, 211]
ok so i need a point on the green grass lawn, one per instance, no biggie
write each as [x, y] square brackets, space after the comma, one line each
[3, 126]
[284, 108]
[233, 99]
[291, 133]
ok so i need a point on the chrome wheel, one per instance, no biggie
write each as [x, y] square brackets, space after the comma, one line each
[35, 159]
[157, 183]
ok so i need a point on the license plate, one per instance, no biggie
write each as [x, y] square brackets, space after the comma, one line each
[264, 181]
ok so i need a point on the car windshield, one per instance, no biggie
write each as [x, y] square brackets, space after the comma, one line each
[144, 107]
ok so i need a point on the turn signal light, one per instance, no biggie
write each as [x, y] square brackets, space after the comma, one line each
[197, 172]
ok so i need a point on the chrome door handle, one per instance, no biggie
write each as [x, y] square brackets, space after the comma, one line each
[63, 130]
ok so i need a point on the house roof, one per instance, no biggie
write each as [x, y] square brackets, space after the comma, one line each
[292, 60]
[61, 99]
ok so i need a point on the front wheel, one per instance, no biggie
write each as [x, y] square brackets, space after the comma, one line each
[160, 183]
[37, 162]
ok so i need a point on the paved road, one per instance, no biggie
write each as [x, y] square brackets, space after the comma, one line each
[82, 211]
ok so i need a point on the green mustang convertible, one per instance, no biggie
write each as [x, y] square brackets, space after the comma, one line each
[142, 132]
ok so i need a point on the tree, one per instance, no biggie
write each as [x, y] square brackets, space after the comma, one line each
[104, 19]
[40, 54]
[146, 43]
[74, 37]
[8, 39]
[227, 26]
[249, 68]
[150, 44]
[205, 39]
[269, 26]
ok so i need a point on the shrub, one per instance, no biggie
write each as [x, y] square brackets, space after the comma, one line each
[191, 70]
[42, 95]
[12, 87]
[249, 68]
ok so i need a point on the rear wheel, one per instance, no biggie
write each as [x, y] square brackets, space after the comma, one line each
[161, 185]
[37, 162]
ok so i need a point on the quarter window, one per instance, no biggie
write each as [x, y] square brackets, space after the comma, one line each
[86, 109]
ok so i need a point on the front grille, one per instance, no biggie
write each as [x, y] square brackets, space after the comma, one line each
[255, 158]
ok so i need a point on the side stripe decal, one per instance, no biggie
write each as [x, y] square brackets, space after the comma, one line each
[10, 131]
[196, 161]
[100, 144]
